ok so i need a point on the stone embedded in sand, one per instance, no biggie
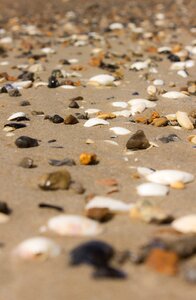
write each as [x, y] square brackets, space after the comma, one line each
[186, 224]
[138, 141]
[56, 119]
[183, 120]
[88, 158]
[55, 180]
[26, 142]
[70, 120]
[73, 225]
[37, 248]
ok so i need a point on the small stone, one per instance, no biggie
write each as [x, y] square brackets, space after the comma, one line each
[70, 120]
[53, 82]
[138, 141]
[63, 162]
[100, 214]
[25, 103]
[190, 274]
[73, 104]
[26, 142]
[151, 90]
[13, 126]
[106, 116]
[183, 120]
[77, 187]
[55, 180]
[141, 119]
[159, 122]
[26, 163]
[4, 209]
[170, 138]
[163, 261]
[88, 158]
[56, 119]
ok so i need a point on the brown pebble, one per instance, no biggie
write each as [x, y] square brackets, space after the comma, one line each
[106, 116]
[70, 120]
[55, 180]
[138, 141]
[163, 261]
[141, 119]
[99, 214]
[27, 163]
[159, 122]
[77, 187]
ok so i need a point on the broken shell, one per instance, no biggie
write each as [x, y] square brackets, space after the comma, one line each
[114, 206]
[18, 116]
[147, 103]
[145, 171]
[95, 122]
[192, 139]
[22, 84]
[103, 79]
[39, 248]
[186, 224]
[73, 225]
[168, 177]
[120, 130]
[92, 111]
[120, 104]
[140, 65]
[151, 90]
[55, 180]
[152, 189]
[174, 95]
[183, 120]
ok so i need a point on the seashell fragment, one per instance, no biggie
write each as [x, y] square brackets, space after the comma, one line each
[18, 116]
[22, 84]
[152, 189]
[120, 130]
[55, 180]
[120, 104]
[73, 225]
[37, 248]
[186, 224]
[147, 103]
[167, 177]
[92, 111]
[138, 108]
[95, 121]
[140, 65]
[123, 113]
[183, 120]
[4, 218]
[145, 171]
[114, 206]
[102, 79]
[174, 95]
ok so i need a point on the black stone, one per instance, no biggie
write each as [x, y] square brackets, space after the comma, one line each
[56, 119]
[15, 125]
[51, 206]
[109, 272]
[73, 104]
[173, 58]
[26, 76]
[170, 138]
[25, 103]
[53, 82]
[26, 142]
[4, 208]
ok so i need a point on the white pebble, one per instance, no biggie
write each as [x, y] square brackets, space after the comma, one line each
[152, 189]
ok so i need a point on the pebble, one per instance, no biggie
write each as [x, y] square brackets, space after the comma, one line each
[51, 206]
[190, 274]
[4, 208]
[13, 126]
[73, 104]
[159, 122]
[169, 138]
[56, 119]
[55, 180]
[63, 162]
[25, 103]
[138, 141]
[53, 82]
[73, 225]
[70, 120]
[37, 248]
[27, 163]
[88, 159]
[26, 142]
[99, 214]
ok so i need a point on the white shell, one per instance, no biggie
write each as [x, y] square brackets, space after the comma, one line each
[48, 50]
[68, 87]
[116, 26]
[102, 79]
[40, 83]
[16, 115]
[95, 121]
[73, 225]
[36, 248]
[92, 111]
[183, 120]
[182, 73]
[120, 104]
[164, 49]
[144, 171]
[158, 82]
[6, 40]
[181, 65]
[152, 189]
[123, 113]
[170, 176]
[22, 84]
[120, 130]
[174, 95]
[35, 68]
[140, 65]
[151, 90]
[144, 101]
[186, 224]
[113, 205]
[138, 108]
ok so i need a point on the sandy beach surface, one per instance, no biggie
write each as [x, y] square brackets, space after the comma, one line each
[77, 37]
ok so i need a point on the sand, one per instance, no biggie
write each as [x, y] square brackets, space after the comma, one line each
[54, 278]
